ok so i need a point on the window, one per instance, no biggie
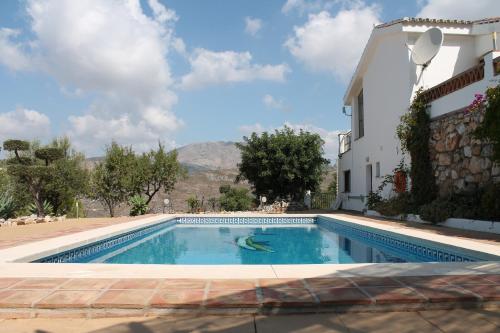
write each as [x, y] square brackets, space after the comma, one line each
[377, 169]
[347, 181]
[361, 116]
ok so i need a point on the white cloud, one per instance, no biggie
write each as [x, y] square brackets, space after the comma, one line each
[209, 67]
[307, 6]
[460, 9]
[273, 103]
[114, 51]
[334, 43]
[11, 53]
[252, 26]
[330, 147]
[24, 124]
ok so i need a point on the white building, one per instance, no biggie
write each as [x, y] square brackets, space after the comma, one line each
[385, 81]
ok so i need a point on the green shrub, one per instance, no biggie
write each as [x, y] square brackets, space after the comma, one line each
[437, 211]
[194, 204]
[72, 212]
[373, 199]
[235, 199]
[490, 202]
[7, 206]
[47, 208]
[398, 205]
[138, 205]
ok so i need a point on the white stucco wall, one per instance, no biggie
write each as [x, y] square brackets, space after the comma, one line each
[387, 89]
[389, 82]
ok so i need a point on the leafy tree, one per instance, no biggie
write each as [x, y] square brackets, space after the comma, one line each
[234, 199]
[284, 164]
[70, 179]
[113, 180]
[28, 169]
[158, 170]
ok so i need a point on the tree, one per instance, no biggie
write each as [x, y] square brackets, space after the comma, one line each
[28, 169]
[70, 179]
[113, 180]
[283, 164]
[158, 169]
[234, 199]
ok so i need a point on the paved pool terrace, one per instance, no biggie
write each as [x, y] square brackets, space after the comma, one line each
[29, 290]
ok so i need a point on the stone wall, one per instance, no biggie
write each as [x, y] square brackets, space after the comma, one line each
[459, 161]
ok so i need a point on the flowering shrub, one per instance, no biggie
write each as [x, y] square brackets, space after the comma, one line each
[489, 129]
[477, 104]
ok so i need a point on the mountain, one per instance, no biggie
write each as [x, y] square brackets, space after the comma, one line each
[210, 155]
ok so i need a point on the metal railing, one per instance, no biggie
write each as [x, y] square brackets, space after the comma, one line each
[322, 200]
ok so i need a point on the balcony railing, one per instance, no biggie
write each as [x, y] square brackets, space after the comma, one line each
[455, 83]
[344, 142]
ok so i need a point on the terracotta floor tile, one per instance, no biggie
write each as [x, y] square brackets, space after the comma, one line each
[281, 283]
[446, 294]
[375, 281]
[493, 278]
[467, 279]
[126, 299]
[465, 321]
[183, 284]
[68, 299]
[233, 284]
[87, 284]
[433, 280]
[136, 284]
[167, 298]
[7, 282]
[287, 297]
[40, 283]
[384, 295]
[336, 282]
[487, 292]
[21, 298]
[232, 298]
[342, 296]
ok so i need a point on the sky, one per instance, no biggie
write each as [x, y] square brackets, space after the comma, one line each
[186, 71]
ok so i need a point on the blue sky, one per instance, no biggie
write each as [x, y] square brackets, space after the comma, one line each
[184, 71]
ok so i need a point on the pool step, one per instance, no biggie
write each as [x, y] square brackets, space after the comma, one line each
[91, 297]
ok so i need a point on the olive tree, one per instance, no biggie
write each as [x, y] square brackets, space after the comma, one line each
[33, 168]
[114, 179]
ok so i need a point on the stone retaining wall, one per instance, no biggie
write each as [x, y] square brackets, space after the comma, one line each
[459, 161]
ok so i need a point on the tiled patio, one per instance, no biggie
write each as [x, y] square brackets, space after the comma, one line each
[91, 298]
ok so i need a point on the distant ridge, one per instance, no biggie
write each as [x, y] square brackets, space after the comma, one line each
[210, 155]
[203, 156]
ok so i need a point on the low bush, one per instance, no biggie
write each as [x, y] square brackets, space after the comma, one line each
[47, 208]
[235, 199]
[193, 204]
[437, 211]
[72, 213]
[7, 206]
[401, 204]
[138, 205]
[490, 202]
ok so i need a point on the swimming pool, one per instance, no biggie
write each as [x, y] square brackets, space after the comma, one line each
[262, 240]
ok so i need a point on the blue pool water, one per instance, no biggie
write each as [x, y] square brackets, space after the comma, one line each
[210, 241]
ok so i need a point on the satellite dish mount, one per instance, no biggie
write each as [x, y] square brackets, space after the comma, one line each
[427, 47]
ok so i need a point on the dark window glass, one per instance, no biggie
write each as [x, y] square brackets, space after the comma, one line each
[361, 115]
[347, 181]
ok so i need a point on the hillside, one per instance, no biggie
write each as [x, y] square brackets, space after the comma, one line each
[210, 165]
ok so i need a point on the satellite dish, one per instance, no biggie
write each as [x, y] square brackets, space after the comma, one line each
[427, 46]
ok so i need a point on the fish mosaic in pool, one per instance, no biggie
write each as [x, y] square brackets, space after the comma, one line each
[311, 242]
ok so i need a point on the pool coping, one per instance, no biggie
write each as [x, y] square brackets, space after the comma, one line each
[13, 261]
